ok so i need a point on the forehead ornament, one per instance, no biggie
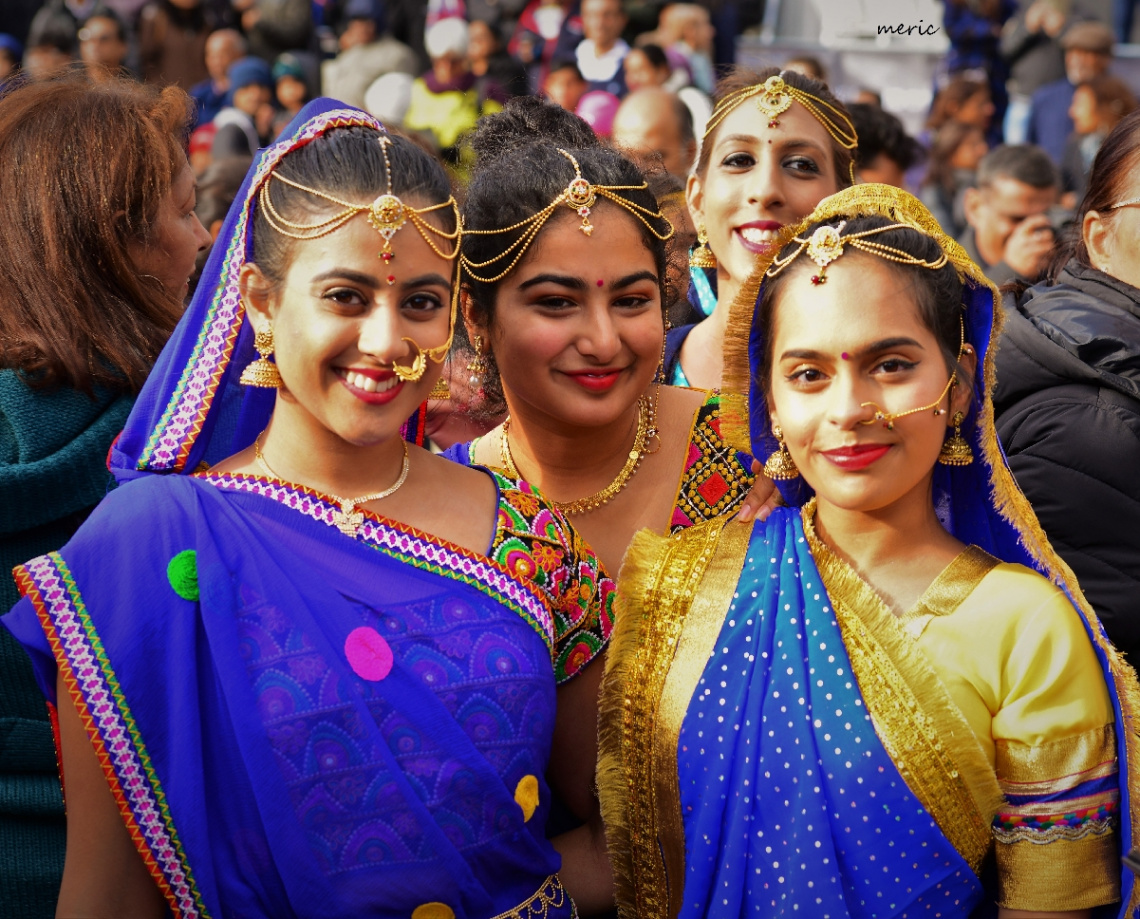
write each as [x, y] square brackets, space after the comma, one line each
[774, 99]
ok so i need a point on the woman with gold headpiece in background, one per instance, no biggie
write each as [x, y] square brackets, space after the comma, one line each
[563, 269]
[302, 667]
[891, 696]
[777, 144]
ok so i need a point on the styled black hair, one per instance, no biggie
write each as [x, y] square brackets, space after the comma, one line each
[518, 172]
[938, 291]
[347, 163]
[1026, 163]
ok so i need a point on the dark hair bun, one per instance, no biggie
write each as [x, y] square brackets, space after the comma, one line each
[529, 120]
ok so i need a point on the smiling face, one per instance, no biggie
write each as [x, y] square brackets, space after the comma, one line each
[577, 327]
[858, 339]
[759, 179]
[338, 326]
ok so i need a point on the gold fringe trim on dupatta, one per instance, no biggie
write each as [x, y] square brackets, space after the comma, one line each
[1007, 497]
[921, 728]
[672, 599]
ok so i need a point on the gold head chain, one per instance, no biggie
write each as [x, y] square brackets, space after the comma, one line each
[774, 97]
[387, 214]
[825, 245]
[580, 196]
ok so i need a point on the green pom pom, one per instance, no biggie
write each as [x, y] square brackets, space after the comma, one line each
[182, 572]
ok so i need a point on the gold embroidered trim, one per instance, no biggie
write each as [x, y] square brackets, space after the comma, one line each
[1007, 497]
[550, 894]
[1054, 833]
[921, 728]
[658, 580]
[1066, 759]
[1041, 877]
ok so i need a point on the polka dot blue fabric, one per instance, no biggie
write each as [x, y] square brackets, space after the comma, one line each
[792, 806]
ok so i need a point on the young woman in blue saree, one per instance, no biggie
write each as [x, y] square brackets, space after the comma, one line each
[890, 698]
[273, 701]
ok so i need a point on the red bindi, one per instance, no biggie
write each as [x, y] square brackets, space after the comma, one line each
[845, 356]
[601, 283]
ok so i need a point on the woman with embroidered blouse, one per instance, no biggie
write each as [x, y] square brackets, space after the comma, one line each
[562, 271]
[276, 699]
[891, 696]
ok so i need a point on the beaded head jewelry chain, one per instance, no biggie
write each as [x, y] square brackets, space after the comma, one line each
[774, 97]
[580, 195]
[825, 245]
[387, 214]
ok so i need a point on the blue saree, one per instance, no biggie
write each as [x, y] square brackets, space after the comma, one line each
[296, 722]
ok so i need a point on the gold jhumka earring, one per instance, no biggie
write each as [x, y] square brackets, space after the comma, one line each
[701, 256]
[387, 214]
[956, 451]
[780, 467]
[262, 373]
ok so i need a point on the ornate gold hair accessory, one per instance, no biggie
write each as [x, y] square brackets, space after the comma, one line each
[386, 213]
[775, 96]
[826, 243]
[580, 195]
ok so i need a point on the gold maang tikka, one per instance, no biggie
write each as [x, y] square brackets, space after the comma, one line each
[774, 97]
[825, 245]
[387, 214]
[580, 195]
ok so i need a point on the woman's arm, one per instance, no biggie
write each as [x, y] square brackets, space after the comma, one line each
[103, 873]
[585, 871]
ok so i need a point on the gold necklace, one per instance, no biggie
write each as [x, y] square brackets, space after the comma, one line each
[646, 430]
[348, 520]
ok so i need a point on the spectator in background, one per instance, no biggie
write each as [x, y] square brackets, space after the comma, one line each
[686, 29]
[51, 42]
[290, 88]
[1088, 52]
[1009, 233]
[46, 59]
[973, 28]
[388, 98]
[103, 46]
[564, 85]
[963, 99]
[367, 52]
[885, 150]
[602, 49]
[11, 55]
[276, 26]
[488, 60]
[955, 152]
[449, 99]
[1098, 106]
[548, 31]
[653, 122]
[223, 48]
[1067, 403]
[808, 66]
[172, 41]
[251, 88]
[646, 67]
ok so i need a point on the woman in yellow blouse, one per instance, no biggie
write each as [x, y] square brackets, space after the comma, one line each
[890, 696]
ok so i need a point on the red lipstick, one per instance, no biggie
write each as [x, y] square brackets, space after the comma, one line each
[859, 456]
[599, 380]
[753, 245]
[385, 378]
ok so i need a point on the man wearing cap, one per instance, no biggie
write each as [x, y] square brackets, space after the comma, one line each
[251, 88]
[1088, 53]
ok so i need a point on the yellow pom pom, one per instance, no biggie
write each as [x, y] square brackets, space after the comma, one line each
[433, 911]
[526, 795]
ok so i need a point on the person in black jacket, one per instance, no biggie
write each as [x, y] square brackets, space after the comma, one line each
[1067, 402]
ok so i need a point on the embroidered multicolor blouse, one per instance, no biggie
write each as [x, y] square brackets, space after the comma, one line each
[716, 477]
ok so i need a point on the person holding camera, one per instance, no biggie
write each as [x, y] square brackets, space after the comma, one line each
[1010, 214]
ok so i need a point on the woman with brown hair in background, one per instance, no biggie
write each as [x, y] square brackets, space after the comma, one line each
[100, 238]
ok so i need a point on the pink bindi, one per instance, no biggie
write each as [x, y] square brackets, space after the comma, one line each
[845, 356]
[601, 283]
